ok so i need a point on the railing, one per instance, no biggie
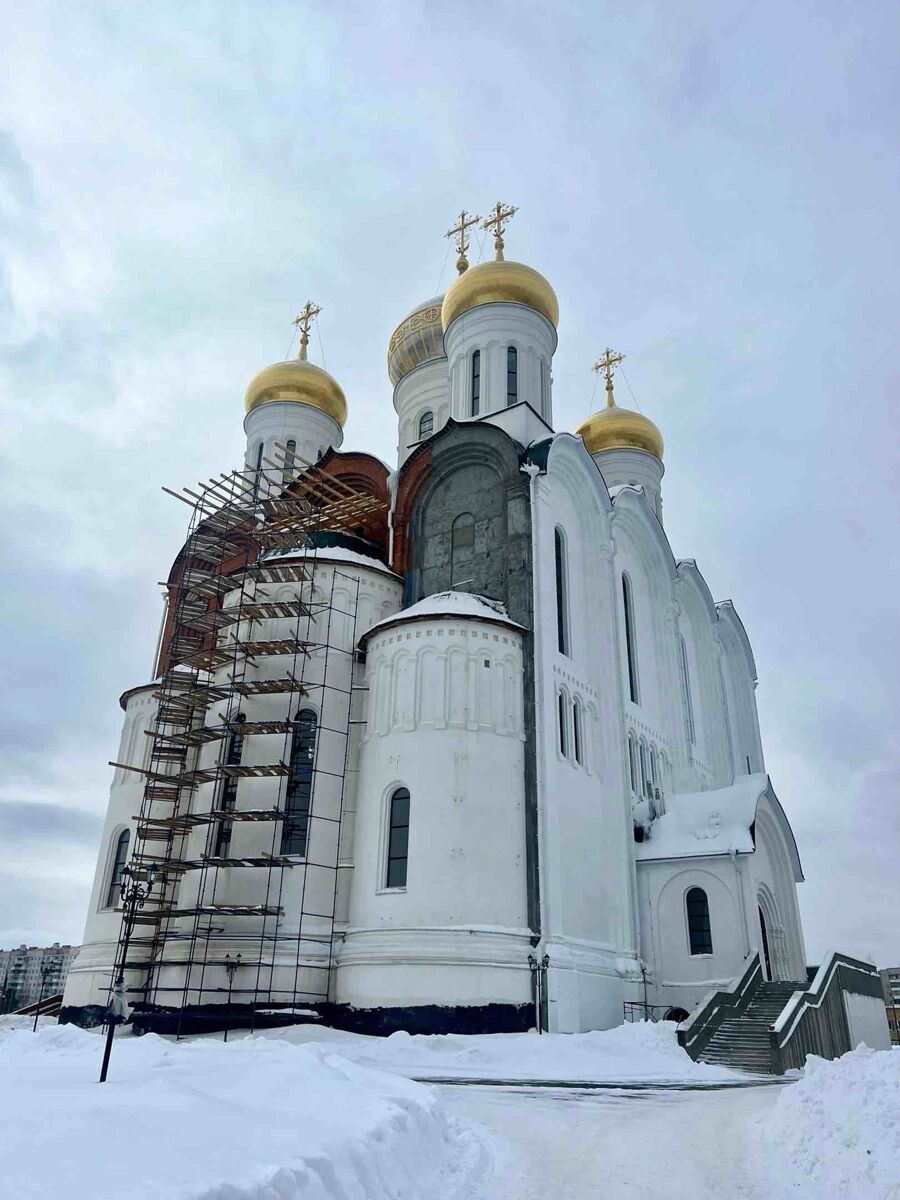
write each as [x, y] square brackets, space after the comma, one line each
[636, 1010]
[815, 1021]
[695, 1033]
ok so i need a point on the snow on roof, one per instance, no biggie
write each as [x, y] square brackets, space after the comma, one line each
[331, 554]
[697, 824]
[449, 604]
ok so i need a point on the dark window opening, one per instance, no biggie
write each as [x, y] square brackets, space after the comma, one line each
[688, 703]
[228, 798]
[298, 796]
[290, 455]
[476, 383]
[398, 839]
[512, 375]
[563, 731]
[576, 730]
[562, 593]
[630, 643]
[699, 931]
[462, 548]
[113, 893]
[426, 425]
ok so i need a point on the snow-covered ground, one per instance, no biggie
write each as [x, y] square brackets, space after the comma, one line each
[275, 1118]
[837, 1131]
[251, 1120]
[636, 1053]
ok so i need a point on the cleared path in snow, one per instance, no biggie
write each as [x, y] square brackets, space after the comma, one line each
[646, 1145]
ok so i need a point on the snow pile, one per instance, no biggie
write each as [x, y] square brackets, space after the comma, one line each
[250, 1120]
[638, 1052]
[835, 1133]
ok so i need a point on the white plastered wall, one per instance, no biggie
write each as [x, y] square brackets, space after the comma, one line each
[425, 389]
[280, 421]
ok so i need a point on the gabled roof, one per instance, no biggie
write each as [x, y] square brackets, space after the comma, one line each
[719, 822]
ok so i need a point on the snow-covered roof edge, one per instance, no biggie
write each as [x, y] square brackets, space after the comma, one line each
[452, 605]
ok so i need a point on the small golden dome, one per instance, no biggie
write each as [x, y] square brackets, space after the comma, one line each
[418, 339]
[500, 282]
[300, 382]
[614, 428]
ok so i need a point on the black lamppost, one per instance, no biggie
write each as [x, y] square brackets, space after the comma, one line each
[133, 894]
[231, 965]
[46, 969]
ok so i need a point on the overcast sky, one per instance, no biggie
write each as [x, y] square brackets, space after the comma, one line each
[712, 188]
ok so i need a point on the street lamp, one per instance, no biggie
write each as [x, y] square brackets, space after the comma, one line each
[231, 965]
[133, 893]
[46, 969]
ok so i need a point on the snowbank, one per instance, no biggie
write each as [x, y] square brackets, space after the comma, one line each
[251, 1120]
[835, 1133]
[638, 1052]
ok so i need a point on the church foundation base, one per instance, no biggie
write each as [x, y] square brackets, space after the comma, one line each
[378, 1022]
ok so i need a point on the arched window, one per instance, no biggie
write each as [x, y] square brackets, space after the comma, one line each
[563, 719]
[257, 469]
[228, 797]
[462, 547]
[562, 591]
[298, 795]
[398, 839]
[476, 384]
[290, 456]
[699, 932]
[120, 857]
[633, 765]
[577, 731]
[426, 425]
[630, 640]
[512, 375]
[686, 685]
[654, 768]
[645, 771]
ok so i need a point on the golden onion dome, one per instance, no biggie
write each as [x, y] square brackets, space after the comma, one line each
[419, 338]
[614, 428]
[300, 382]
[500, 282]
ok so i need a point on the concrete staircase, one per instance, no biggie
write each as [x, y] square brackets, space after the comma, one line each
[742, 1041]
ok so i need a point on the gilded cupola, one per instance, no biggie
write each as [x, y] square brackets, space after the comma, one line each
[299, 381]
[615, 428]
[419, 338]
[497, 282]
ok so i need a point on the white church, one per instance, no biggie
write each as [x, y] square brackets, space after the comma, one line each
[456, 744]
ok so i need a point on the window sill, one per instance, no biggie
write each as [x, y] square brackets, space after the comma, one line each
[702, 955]
[389, 891]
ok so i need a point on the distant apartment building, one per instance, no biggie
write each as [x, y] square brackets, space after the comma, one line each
[21, 976]
[890, 982]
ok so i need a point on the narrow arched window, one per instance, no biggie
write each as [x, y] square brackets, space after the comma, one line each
[512, 375]
[630, 640]
[257, 469]
[290, 457]
[398, 839]
[645, 771]
[577, 732]
[426, 425]
[562, 591]
[120, 857]
[234, 749]
[699, 931]
[633, 765]
[563, 719]
[654, 769]
[298, 796]
[686, 687]
[475, 404]
[462, 547]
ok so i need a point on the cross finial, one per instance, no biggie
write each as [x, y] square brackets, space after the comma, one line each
[607, 363]
[461, 232]
[307, 314]
[500, 214]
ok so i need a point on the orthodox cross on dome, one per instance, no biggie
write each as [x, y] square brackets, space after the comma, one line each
[461, 232]
[306, 317]
[500, 214]
[607, 363]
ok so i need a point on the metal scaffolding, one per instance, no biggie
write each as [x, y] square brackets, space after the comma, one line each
[249, 626]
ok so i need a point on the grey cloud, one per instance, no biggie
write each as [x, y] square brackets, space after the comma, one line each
[22, 822]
